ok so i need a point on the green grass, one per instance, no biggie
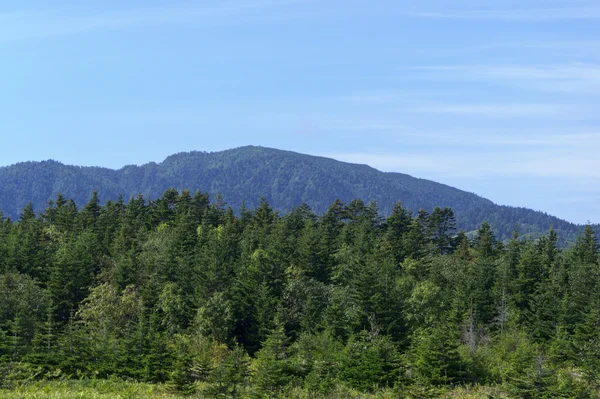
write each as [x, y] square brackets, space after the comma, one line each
[116, 389]
[88, 389]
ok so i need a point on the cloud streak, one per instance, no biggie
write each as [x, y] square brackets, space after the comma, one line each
[514, 164]
[515, 14]
[468, 138]
[32, 24]
[576, 78]
[497, 110]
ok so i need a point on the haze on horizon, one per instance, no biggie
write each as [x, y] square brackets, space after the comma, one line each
[499, 98]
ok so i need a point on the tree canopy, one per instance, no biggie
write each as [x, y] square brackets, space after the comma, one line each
[183, 291]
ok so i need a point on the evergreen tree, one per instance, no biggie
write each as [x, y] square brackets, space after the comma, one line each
[271, 367]
[435, 359]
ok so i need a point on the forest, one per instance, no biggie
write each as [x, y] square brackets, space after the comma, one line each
[286, 179]
[184, 293]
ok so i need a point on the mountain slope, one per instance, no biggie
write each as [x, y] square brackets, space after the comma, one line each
[285, 178]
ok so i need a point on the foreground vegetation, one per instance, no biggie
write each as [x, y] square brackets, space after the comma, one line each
[114, 389]
[186, 298]
[87, 389]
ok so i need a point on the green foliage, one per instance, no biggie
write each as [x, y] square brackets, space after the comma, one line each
[272, 367]
[182, 292]
[229, 371]
[88, 389]
[369, 362]
[23, 305]
[316, 358]
[435, 358]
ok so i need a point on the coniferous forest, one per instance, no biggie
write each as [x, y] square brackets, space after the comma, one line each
[185, 293]
[286, 179]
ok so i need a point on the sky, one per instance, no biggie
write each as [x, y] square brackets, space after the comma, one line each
[496, 97]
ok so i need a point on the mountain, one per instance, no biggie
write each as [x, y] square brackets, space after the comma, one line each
[285, 178]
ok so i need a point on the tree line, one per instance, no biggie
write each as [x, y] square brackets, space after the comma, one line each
[182, 290]
[287, 179]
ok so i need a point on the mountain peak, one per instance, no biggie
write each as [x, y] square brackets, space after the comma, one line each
[245, 174]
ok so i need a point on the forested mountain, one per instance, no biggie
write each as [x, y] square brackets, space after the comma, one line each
[286, 179]
[182, 292]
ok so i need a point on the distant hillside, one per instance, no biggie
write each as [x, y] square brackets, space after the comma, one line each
[285, 178]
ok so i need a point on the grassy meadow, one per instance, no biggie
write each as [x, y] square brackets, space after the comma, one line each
[116, 389]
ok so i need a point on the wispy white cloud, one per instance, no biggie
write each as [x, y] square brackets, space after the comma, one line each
[470, 137]
[40, 23]
[375, 97]
[583, 45]
[515, 14]
[422, 102]
[497, 110]
[563, 49]
[356, 125]
[576, 78]
[590, 199]
[558, 165]
[576, 140]
[481, 165]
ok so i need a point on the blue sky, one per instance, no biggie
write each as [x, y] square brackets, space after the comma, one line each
[495, 97]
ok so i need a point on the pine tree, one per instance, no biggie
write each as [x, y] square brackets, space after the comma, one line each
[442, 225]
[586, 247]
[395, 226]
[435, 359]
[485, 241]
[271, 366]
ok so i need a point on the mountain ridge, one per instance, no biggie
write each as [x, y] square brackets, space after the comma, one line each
[285, 178]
